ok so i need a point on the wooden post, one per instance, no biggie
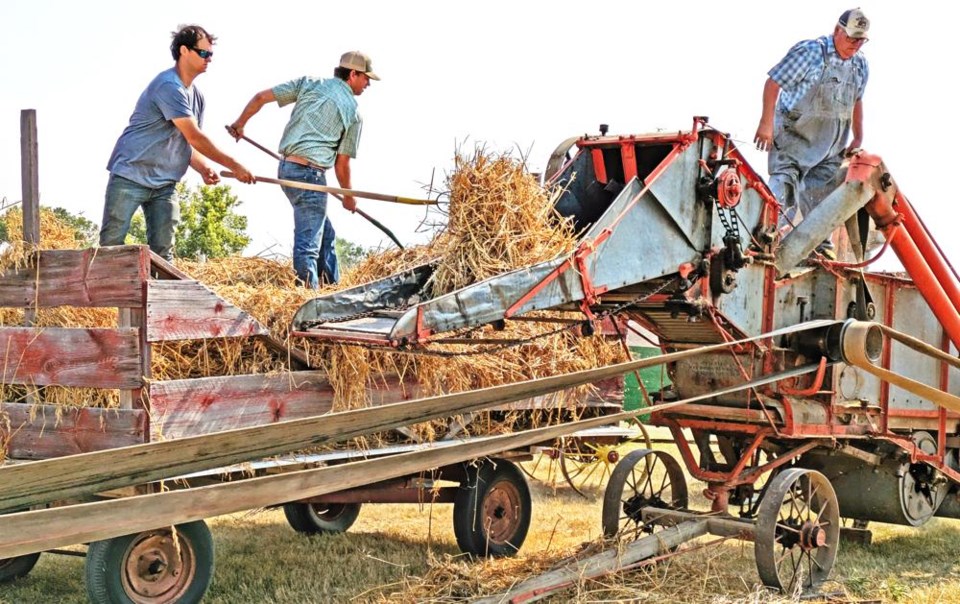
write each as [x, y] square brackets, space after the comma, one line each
[30, 177]
[30, 191]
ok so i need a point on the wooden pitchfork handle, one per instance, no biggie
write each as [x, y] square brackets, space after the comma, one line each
[296, 184]
[277, 157]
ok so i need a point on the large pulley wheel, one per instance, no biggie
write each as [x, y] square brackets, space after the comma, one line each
[154, 567]
[797, 531]
[492, 509]
[922, 488]
[643, 478]
[16, 567]
[560, 156]
[321, 518]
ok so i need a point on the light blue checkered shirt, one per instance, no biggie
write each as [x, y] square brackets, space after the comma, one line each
[803, 66]
[325, 121]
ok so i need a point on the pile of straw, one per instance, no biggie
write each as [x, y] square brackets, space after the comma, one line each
[499, 219]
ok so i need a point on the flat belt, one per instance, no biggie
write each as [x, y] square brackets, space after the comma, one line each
[304, 162]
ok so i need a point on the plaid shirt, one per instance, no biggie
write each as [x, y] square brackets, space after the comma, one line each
[803, 66]
[325, 121]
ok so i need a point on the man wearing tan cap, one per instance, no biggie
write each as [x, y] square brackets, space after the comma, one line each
[323, 132]
[812, 99]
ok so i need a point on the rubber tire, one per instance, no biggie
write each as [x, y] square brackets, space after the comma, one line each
[482, 478]
[303, 518]
[12, 569]
[105, 562]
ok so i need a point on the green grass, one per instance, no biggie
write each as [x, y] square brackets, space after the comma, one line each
[405, 553]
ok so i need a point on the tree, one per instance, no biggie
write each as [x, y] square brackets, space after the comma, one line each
[85, 230]
[209, 226]
[349, 254]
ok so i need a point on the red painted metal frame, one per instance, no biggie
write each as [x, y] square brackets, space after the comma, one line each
[919, 256]
[941, 267]
[736, 476]
[587, 248]
[813, 388]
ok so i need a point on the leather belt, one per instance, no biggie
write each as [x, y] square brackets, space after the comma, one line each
[304, 162]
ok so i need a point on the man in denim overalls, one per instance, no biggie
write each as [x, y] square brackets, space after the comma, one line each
[812, 99]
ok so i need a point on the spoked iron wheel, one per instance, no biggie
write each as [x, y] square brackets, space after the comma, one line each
[643, 478]
[798, 531]
[586, 465]
[543, 466]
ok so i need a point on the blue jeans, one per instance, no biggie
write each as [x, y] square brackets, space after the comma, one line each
[314, 255]
[161, 211]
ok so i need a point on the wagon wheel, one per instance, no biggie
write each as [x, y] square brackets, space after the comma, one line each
[798, 531]
[584, 464]
[153, 567]
[16, 567]
[546, 460]
[581, 463]
[321, 518]
[644, 478]
[492, 509]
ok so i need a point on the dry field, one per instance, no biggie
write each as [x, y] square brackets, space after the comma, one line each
[407, 553]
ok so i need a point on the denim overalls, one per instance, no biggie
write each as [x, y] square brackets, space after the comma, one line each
[810, 138]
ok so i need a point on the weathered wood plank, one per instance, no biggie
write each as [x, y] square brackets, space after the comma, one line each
[78, 475]
[182, 408]
[96, 277]
[49, 480]
[95, 358]
[41, 530]
[161, 269]
[30, 176]
[186, 310]
[46, 431]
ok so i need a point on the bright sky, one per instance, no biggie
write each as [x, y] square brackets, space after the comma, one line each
[511, 75]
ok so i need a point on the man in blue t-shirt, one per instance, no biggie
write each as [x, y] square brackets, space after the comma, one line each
[323, 132]
[161, 140]
[812, 101]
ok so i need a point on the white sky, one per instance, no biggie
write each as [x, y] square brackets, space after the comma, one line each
[513, 75]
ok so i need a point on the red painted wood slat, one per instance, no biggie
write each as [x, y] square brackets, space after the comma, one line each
[95, 358]
[97, 277]
[206, 405]
[186, 310]
[40, 432]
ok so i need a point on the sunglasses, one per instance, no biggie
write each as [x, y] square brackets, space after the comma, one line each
[856, 41]
[204, 54]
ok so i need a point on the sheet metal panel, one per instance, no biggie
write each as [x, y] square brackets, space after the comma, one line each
[912, 316]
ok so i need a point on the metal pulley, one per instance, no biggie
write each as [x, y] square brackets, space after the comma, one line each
[729, 188]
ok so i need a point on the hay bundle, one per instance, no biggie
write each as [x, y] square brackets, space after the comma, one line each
[498, 219]
[55, 234]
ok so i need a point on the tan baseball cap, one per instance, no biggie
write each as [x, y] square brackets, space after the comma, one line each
[358, 61]
[855, 23]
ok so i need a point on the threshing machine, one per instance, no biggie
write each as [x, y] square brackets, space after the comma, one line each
[821, 392]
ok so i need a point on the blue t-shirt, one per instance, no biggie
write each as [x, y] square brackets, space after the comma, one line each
[151, 151]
